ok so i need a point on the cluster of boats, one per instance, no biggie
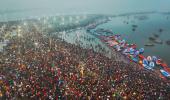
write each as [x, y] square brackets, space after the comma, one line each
[154, 40]
[136, 55]
[134, 27]
[130, 51]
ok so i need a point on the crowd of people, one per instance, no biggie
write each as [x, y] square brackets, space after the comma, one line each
[37, 66]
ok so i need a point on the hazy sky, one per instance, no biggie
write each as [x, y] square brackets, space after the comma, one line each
[88, 6]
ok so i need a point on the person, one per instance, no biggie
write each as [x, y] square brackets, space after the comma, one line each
[41, 72]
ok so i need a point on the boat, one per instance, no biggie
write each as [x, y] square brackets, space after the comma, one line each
[134, 26]
[133, 29]
[155, 40]
[150, 63]
[152, 38]
[158, 41]
[156, 35]
[168, 42]
[165, 73]
[149, 44]
[160, 30]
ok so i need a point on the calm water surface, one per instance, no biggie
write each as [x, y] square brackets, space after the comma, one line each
[145, 29]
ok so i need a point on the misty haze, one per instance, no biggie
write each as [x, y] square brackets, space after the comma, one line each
[84, 50]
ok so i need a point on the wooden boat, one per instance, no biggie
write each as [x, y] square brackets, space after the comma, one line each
[156, 35]
[135, 26]
[149, 44]
[158, 41]
[152, 38]
[168, 42]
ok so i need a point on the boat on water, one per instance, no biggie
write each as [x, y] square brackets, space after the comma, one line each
[149, 44]
[160, 30]
[134, 55]
[168, 42]
[156, 35]
[133, 29]
[135, 26]
[158, 41]
[152, 38]
[155, 40]
[165, 73]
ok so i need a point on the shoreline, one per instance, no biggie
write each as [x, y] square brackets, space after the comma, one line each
[41, 65]
[123, 58]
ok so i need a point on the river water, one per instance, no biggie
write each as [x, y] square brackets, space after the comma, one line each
[146, 27]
